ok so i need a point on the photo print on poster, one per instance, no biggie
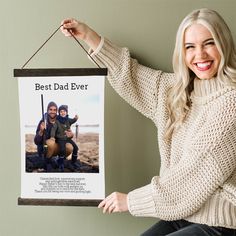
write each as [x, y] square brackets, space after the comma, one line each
[62, 136]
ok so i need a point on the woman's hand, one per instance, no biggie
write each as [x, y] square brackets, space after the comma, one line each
[81, 31]
[115, 202]
[78, 29]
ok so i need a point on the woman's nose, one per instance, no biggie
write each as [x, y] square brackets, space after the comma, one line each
[200, 53]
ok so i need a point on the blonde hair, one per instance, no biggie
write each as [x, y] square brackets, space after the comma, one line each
[179, 94]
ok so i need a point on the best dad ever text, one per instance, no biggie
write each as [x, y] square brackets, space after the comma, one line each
[56, 86]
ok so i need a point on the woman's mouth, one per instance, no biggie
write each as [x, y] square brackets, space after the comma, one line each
[203, 66]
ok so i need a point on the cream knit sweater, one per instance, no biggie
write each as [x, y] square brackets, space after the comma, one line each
[197, 179]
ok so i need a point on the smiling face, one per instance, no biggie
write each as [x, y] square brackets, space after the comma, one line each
[52, 112]
[201, 54]
[63, 113]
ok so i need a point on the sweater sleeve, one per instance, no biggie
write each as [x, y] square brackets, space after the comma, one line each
[135, 83]
[205, 166]
[72, 120]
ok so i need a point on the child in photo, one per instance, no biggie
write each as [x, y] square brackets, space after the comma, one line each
[58, 133]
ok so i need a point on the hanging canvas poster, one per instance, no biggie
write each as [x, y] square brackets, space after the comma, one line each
[62, 134]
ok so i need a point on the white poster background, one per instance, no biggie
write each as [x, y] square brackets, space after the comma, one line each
[84, 96]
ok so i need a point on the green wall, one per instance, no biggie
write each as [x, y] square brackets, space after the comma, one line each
[148, 28]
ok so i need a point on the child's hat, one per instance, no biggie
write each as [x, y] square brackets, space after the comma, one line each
[63, 107]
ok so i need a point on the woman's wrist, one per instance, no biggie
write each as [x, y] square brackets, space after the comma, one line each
[92, 39]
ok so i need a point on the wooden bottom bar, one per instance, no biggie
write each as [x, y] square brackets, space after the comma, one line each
[58, 202]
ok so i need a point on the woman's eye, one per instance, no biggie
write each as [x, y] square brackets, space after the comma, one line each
[189, 47]
[210, 43]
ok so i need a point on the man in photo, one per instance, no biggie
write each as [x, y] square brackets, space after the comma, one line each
[46, 148]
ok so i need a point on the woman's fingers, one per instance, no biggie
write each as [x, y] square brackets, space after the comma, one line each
[81, 31]
[77, 28]
[106, 204]
[69, 25]
[115, 202]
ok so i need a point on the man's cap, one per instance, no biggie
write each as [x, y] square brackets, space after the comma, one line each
[51, 104]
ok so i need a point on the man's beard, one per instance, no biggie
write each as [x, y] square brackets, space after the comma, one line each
[52, 116]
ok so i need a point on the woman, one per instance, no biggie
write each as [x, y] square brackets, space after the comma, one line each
[195, 113]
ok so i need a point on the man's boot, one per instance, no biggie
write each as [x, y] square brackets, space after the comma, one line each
[74, 164]
[48, 164]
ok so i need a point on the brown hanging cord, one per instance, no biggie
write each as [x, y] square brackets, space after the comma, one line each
[50, 38]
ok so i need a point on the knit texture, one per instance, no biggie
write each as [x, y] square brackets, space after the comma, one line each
[197, 179]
